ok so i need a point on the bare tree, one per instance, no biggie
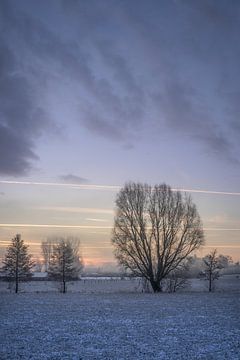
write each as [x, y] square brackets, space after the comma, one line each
[212, 264]
[17, 263]
[38, 264]
[76, 245]
[47, 251]
[178, 278]
[225, 260]
[65, 263]
[155, 230]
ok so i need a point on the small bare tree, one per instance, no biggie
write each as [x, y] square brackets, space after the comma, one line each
[17, 263]
[155, 230]
[76, 245]
[178, 278]
[47, 250]
[65, 262]
[212, 264]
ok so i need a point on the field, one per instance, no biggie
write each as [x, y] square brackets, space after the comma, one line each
[118, 326]
[105, 285]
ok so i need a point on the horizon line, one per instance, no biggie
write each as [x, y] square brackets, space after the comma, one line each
[109, 187]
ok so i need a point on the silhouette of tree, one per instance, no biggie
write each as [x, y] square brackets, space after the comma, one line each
[47, 249]
[155, 230]
[17, 263]
[213, 264]
[65, 262]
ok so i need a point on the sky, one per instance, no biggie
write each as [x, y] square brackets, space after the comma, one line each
[97, 93]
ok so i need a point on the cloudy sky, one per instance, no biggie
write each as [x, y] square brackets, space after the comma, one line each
[103, 92]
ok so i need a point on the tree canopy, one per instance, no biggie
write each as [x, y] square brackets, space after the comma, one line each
[155, 230]
[65, 261]
[213, 263]
[17, 263]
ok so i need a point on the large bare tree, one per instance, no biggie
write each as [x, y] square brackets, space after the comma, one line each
[155, 230]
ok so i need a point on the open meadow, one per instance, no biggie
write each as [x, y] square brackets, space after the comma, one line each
[76, 326]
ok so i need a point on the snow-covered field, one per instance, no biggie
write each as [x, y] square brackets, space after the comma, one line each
[119, 326]
[86, 286]
[113, 285]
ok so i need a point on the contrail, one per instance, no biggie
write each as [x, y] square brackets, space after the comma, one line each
[93, 227]
[56, 226]
[80, 186]
[68, 209]
[220, 229]
[109, 187]
[208, 192]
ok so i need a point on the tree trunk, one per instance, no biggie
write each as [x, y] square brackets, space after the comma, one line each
[63, 273]
[156, 286]
[210, 283]
[16, 287]
[16, 275]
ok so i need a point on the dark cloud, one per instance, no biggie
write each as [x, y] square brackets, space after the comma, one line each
[60, 61]
[130, 66]
[73, 179]
[21, 119]
[174, 59]
[16, 153]
[189, 120]
[95, 123]
[197, 65]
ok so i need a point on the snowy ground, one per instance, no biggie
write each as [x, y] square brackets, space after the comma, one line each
[77, 326]
[112, 285]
